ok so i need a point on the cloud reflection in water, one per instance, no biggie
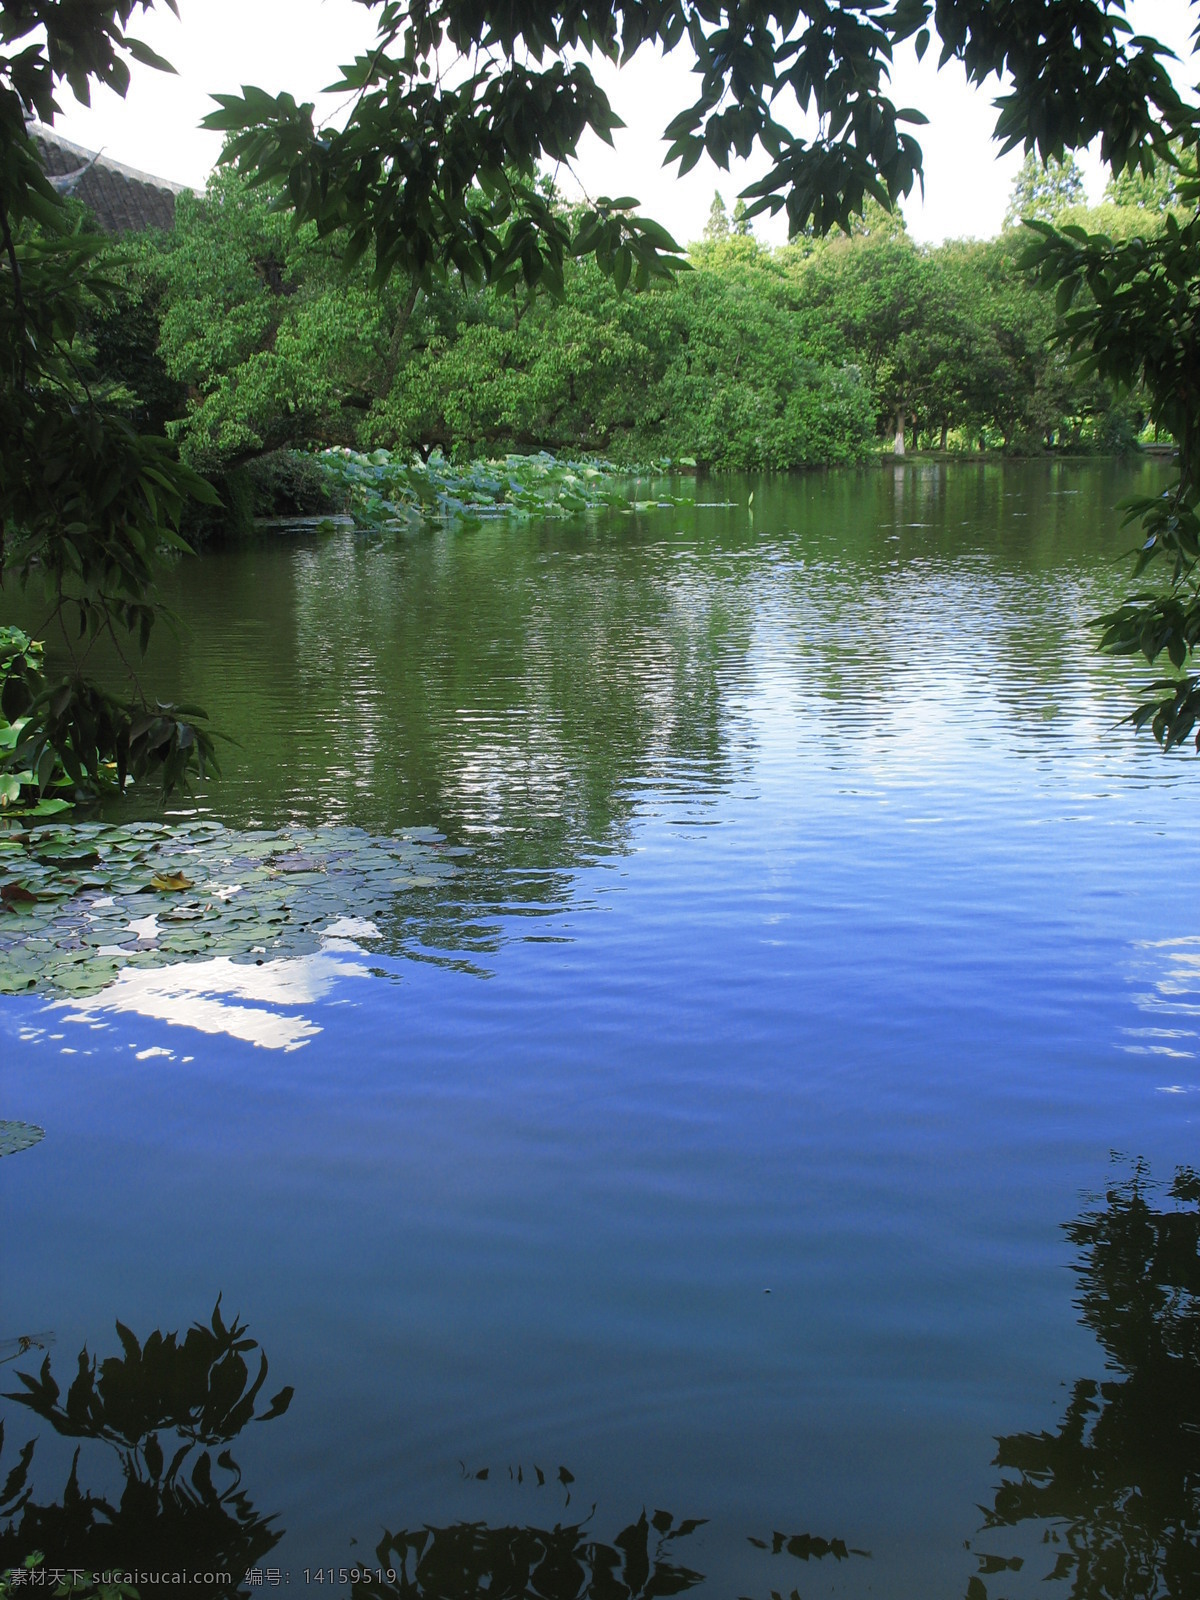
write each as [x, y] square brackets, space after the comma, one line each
[254, 1003]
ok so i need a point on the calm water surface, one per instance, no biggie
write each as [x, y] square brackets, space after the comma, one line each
[707, 1191]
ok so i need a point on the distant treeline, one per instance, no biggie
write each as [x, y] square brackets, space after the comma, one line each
[239, 336]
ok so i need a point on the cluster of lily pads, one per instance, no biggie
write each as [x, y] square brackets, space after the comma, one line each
[79, 903]
[397, 492]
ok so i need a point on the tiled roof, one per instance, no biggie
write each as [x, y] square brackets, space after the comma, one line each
[121, 199]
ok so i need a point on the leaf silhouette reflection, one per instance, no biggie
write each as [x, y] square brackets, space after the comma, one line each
[512, 1563]
[1117, 1487]
[164, 1412]
[163, 1406]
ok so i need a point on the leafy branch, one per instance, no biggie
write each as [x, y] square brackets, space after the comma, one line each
[87, 504]
[1130, 313]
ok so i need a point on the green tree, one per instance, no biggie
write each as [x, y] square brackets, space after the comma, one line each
[1043, 190]
[875, 221]
[1131, 314]
[717, 226]
[881, 295]
[86, 502]
[1154, 189]
[745, 384]
[1076, 75]
[1009, 381]
[274, 343]
[716, 365]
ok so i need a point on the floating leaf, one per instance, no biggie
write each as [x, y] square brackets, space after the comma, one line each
[171, 882]
[188, 912]
[234, 894]
[16, 1136]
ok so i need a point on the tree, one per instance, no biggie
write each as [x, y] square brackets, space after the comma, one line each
[875, 221]
[718, 365]
[434, 171]
[881, 295]
[86, 501]
[424, 127]
[717, 226]
[1131, 314]
[1155, 189]
[1044, 189]
[274, 343]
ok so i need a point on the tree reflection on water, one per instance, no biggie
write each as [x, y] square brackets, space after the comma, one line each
[1116, 1489]
[166, 1405]
[561, 1563]
[163, 1407]
[1108, 1504]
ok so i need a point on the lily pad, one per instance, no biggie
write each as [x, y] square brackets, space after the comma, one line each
[16, 1136]
[297, 863]
[170, 882]
[226, 892]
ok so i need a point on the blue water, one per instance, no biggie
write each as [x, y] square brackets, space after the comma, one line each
[723, 1156]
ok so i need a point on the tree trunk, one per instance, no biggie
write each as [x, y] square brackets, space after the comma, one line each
[945, 431]
[392, 364]
[898, 442]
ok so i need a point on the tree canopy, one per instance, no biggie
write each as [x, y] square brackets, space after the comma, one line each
[456, 98]
[755, 358]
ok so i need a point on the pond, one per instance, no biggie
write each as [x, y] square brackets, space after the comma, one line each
[724, 1147]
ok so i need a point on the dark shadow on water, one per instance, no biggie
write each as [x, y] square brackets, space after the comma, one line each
[1113, 1495]
[164, 1407]
[1104, 1507]
[569, 1562]
[561, 1563]
[172, 1499]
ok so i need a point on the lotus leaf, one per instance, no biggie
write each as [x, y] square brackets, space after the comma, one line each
[387, 492]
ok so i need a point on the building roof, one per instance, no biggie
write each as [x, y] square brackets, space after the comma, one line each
[122, 199]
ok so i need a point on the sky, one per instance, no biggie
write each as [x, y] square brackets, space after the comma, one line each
[218, 45]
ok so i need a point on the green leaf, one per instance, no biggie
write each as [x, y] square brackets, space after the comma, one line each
[149, 58]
